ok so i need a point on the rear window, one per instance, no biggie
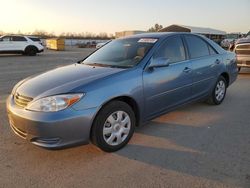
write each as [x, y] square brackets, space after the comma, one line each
[35, 39]
[197, 47]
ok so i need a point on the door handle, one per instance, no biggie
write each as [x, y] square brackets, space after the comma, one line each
[187, 70]
[217, 61]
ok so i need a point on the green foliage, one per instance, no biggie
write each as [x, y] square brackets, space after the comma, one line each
[155, 28]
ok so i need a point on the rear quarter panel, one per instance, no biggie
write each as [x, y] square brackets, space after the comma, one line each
[229, 60]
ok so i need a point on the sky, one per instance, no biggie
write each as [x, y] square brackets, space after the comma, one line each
[117, 15]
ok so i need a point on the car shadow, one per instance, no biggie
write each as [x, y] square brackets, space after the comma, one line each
[10, 55]
[197, 149]
[185, 151]
[18, 55]
[244, 71]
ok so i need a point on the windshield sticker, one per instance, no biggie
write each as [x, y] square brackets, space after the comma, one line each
[147, 40]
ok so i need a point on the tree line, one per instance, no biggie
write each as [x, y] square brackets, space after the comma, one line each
[71, 35]
[74, 35]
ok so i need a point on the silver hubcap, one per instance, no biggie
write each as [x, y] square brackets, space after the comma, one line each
[220, 90]
[116, 128]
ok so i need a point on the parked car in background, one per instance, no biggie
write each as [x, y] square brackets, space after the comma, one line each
[242, 50]
[230, 39]
[248, 35]
[87, 44]
[121, 85]
[19, 44]
[100, 44]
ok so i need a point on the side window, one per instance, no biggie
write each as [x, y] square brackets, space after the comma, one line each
[172, 49]
[35, 39]
[196, 46]
[18, 38]
[6, 38]
[211, 50]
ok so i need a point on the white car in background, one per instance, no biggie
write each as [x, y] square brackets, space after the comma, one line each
[101, 44]
[230, 39]
[20, 44]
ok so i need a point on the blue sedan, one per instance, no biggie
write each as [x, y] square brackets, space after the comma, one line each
[123, 84]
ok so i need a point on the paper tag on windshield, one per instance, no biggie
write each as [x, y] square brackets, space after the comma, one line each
[147, 40]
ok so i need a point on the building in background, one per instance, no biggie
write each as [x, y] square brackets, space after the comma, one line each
[127, 33]
[213, 34]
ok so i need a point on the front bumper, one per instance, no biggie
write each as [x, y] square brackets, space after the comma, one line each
[41, 50]
[243, 60]
[51, 129]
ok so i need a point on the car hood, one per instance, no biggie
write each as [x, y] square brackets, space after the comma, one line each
[63, 80]
[243, 40]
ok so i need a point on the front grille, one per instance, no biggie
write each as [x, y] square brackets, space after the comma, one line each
[243, 46]
[243, 49]
[21, 100]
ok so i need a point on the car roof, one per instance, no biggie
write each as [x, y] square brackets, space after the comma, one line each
[30, 36]
[159, 35]
[13, 35]
[163, 35]
[150, 35]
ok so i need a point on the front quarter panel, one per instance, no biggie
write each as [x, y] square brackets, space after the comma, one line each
[127, 83]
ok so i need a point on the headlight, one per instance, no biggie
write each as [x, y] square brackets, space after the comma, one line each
[54, 103]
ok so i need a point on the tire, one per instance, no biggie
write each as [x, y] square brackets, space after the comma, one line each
[113, 127]
[219, 92]
[30, 51]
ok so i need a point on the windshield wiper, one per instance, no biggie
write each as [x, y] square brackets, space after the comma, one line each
[95, 64]
[106, 65]
[118, 66]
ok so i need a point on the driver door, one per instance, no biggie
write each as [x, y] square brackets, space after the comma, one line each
[166, 87]
[5, 43]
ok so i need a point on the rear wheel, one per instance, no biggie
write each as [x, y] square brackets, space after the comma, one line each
[219, 92]
[113, 126]
[30, 51]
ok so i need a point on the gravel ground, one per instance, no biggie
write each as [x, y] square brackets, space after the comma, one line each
[195, 146]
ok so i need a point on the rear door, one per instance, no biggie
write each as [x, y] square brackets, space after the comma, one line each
[205, 61]
[165, 87]
[19, 43]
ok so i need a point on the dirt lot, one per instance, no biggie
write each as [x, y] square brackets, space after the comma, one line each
[195, 146]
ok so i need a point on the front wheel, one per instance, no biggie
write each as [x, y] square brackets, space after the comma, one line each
[219, 92]
[113, 126]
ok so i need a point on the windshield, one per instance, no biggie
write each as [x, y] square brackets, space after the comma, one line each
[121, 53]
[248, 34]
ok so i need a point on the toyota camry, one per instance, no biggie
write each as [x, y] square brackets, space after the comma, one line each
[123, 84]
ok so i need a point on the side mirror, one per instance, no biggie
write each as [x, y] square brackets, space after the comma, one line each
[159, 62]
